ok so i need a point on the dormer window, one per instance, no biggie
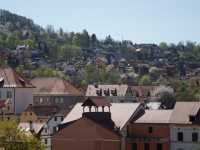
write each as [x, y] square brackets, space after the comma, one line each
[99, 92]
[114, 92]
[107, 92]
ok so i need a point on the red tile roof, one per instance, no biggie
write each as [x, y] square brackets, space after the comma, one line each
[54, 85]
[9, 78]
[98, 102]
[43, 110]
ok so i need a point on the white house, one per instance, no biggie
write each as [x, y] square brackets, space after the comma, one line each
[42, 120]
[49, 129]
[16, 89]
[185, 126]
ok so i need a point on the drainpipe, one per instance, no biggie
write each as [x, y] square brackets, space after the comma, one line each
[14, 100]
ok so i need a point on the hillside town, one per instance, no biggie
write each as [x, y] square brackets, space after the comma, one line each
[62, 90]
[106, 117]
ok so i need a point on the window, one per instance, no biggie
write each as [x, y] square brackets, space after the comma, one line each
[45, 141]
[159, 146]
[9, 94]
[62, 118]
[150, 129]
[61, 100]
[45, 130]
[146, 146]
[195, 137]
[41, 100]
[31, 125]
[134, 146]
[55, 118]
[54, 129]
[57, 100]
[180, 136]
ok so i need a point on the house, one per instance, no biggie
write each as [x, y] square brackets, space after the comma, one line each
[151, 131]
[93, 131]
[16, 89]
[143, 93]
[112, 92]
[121, 114]
[86, 134]
[42, 121]
[106, 90]
[6, 111]
[185, 126]
[55, 91]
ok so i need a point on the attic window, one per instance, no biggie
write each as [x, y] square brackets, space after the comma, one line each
[107, 92]
[114, 92]
[99, 92]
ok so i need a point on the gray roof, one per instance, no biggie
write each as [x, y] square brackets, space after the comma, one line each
[182, 111]
[155, 116]
[121, 113]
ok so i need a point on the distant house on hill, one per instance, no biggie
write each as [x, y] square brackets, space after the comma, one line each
[16, 89]
[112, 92]
[55, 91]
[121, 92]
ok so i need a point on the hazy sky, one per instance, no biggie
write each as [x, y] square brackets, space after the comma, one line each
[143, 21]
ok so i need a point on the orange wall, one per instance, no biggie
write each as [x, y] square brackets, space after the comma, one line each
[142, 130]
[159, 130]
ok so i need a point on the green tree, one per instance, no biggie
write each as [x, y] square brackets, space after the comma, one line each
[85, 39]
[184, 92]
[76, 40]
[11, 138]
[163, 45]
[145, 80]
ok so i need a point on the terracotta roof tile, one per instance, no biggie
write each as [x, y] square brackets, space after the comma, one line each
[9, 78]
[54, 85]
[43, 110]
[182, 111]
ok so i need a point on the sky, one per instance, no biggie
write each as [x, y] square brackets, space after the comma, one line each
[141, 21]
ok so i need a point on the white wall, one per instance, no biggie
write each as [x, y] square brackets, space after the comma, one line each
[187, 143]
[48, 135]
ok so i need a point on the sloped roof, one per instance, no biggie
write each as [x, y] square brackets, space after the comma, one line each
[25, 126]
[43, 110]
[54, 85]
[182, 111]
[143, 90]
[85, 128]
[120, 88]
[9, 78]
[120, 113]
[155, 116]
[99, 101]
